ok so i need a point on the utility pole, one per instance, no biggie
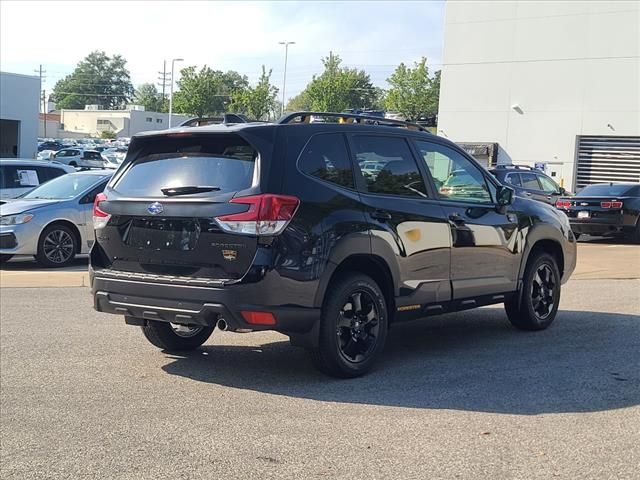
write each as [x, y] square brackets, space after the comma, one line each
[173, 62]
[284, 81]
[41, 73]
[164, 80]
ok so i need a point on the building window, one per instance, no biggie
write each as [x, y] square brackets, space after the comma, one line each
[103, 122]
[158, 120]
[149, 119]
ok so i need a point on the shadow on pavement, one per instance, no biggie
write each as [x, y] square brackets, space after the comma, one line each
[29, 264]
[474, 361]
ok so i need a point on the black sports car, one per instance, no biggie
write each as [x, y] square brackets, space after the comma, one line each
[604, 209]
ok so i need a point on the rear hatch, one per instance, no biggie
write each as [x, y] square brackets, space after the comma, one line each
[160, 207]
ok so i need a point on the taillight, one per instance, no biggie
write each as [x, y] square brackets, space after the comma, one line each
[563, 204]
[612, 204]
[267, 214]
[100, 217]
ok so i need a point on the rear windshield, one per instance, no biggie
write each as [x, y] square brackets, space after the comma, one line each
[225, 161]
[605, 190]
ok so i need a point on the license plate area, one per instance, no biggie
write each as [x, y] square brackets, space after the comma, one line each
[584, 214]
[163, 234]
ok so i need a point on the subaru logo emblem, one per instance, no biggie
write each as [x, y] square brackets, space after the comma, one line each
[155, 208]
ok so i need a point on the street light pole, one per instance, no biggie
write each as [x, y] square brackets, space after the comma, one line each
[284, 80]
[173, 62]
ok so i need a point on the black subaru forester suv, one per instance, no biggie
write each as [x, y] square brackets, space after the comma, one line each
[280, 227]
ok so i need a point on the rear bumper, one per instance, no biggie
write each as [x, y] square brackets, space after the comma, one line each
[600, 228]
[196, 304]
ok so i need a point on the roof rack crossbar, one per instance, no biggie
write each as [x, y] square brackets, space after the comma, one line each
[305, 117]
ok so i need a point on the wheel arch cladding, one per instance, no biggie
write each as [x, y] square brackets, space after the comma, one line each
[372, 266]
[553, 248]
[72, 226]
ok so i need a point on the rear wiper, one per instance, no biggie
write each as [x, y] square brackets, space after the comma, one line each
[186, 190]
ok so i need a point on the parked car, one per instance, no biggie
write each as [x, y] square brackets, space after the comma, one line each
[529, 182]
[275, 227]
[604, 209]
[53, 222]
[18, 176]
[50, 145]
[78, 157]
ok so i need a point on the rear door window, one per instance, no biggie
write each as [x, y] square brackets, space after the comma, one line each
[326, 157]
[529, 181]
[225, 162]
[395, 169]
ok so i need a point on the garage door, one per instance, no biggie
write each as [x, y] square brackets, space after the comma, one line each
[607, 159]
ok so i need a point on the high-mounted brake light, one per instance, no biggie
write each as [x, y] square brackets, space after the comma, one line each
[100, 217]
[563, 204]
[267, 214]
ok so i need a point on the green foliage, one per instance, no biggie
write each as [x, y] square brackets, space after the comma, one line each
[108, 134]
[96, 80]
[259, 102]
[207, 92]
[338, 88]
[413, 92]
[147, 95]
[299, 103]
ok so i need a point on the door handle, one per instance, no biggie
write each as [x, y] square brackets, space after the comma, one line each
[456, 219]
[528, 194]
[381, 215]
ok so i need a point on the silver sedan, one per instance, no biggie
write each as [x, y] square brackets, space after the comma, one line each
[53, 222]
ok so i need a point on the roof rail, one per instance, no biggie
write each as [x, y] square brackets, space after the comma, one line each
[305, 117]
[514, 167]
[226, 119]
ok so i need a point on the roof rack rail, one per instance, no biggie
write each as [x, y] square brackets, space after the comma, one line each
[305, 117]
[226, 119]
[514, 167]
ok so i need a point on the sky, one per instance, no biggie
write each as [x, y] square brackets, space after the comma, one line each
[372, 35]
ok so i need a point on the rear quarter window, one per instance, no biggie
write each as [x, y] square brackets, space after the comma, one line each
[326, 157]
[224, 161]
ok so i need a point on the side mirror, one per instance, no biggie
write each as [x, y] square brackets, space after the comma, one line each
[504, 195]
[562, 191]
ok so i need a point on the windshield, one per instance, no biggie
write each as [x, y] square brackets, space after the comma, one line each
[605, 190]
[64, 187]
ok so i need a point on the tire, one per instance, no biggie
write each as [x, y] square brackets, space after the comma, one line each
[635, 236]
[350, 343]
[62, 237]
[73, 164]
[536, 305]
[5, 258]
[164, 335]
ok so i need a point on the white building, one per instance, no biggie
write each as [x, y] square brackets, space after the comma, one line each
[19, 99]
[554, 82]
[124, 123]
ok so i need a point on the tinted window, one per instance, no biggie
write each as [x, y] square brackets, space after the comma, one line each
[16, 176]
[529, 181]
[455, 177]
[605, 190]
[326, 157]
[388, 166]
[514, 179]
[548, 185]
[225, 161]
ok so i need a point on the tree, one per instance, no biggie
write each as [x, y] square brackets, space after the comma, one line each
[413, 92]
[147, 95]
[96, 80]
[299, 103]
[108, 134]
[337, 88]
[207, 92]
[257, 102]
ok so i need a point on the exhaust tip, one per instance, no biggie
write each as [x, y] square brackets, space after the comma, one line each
[222, 325]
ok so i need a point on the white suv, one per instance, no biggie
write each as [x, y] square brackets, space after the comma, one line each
[79, 157]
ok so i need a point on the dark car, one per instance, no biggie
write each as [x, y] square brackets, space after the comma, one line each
[529, 182]
[50, 145]
[605, 209]
[275, 227]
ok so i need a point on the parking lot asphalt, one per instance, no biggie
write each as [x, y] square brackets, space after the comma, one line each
[458, 396]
